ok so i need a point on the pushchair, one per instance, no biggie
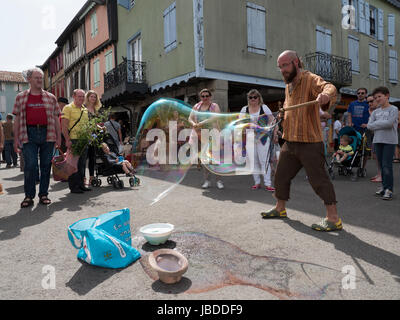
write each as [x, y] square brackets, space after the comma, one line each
[102, 168]
[358, 144]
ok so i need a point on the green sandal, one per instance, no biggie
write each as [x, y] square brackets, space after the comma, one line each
[327, 226]
[273, 213]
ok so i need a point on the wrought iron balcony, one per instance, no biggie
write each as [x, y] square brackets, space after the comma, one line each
[128, 71]
[334, 69]
[129, 77]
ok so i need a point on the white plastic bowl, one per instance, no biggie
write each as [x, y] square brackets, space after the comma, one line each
[157, 233]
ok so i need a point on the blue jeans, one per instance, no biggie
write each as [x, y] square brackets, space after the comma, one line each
[10, 155]
[384, 153]
[37, 145]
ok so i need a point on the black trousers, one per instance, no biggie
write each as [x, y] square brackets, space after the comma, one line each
[76, 180]
[92, 159]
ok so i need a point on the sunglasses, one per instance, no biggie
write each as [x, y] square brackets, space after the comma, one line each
[205, 96]
[359, 93]
[253, 98]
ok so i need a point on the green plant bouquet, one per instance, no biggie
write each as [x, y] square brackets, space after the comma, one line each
[91, 133]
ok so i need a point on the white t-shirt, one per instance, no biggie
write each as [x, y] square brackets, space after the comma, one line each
[336, 126]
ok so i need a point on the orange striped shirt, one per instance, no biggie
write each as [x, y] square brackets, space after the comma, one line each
[303, 124]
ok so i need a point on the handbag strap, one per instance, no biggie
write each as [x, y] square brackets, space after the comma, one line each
[69, 131]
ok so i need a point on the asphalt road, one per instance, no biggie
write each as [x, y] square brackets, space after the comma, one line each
[232, 252]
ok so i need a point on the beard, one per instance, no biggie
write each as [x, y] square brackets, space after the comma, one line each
[289, 76]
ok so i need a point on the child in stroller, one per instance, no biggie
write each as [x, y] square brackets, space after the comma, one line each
[345, 150]
[352, 160]
[110, 164]
[117, 163]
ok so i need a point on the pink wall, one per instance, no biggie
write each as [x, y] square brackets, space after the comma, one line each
[102, 59]
[102, 27]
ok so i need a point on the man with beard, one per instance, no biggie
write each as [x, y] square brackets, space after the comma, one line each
[303, 145]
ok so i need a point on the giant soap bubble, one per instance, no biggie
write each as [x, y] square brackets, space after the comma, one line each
[166, 145]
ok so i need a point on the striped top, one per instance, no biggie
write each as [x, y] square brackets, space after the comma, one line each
[303, 124]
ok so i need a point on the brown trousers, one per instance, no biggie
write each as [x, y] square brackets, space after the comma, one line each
[294, 156]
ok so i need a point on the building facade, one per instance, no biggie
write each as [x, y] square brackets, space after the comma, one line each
[54, 77]
[101, 35]
[179, 47]
[134, 52]
[372, 42]
[11, 84]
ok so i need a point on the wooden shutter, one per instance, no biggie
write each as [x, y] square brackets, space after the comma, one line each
[354, 54]
[324, 40]
[391, 30]
[361, 16]
[367, 19]
[109, 61]
[124, 3]
[373, 60]
[170, 38]
[380, 25]
[256, 33]
[393, 66]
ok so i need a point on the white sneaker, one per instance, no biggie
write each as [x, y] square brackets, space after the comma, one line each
[206, 184]
[380, 192]
[388, 195]
[220, 185]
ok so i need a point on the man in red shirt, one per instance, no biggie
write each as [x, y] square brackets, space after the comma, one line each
[36, 130]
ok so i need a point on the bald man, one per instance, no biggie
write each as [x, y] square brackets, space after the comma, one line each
[73, 119]
[303, 145]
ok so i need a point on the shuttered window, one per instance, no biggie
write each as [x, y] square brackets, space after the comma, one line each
[380, 24]
[373, 60]
[109, 61]
[324, 40]
[96, 73]
[354, 54]
[256, 33]
[391, 29]
[3, 104]
[169, 15]
[393, 67]
[93, 25]
[361, 16]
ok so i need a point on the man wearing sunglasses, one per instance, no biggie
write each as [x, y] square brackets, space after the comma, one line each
[358, 114]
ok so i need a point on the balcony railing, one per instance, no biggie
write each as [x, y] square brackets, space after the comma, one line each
[334, 69]
[130, 72]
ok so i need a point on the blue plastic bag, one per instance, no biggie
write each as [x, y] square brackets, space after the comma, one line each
[104, 241]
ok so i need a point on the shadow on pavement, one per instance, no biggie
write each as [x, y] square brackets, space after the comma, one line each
[11, 226]
[183, 285]
[349, 244]
[89, 277]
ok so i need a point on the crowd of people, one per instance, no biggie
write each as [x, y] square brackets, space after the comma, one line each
[378, 121]
[42, 123]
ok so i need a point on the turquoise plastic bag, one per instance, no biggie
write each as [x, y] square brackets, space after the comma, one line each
[104, 241]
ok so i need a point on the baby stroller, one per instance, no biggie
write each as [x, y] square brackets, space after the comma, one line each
[358, 144]
[102, 168]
